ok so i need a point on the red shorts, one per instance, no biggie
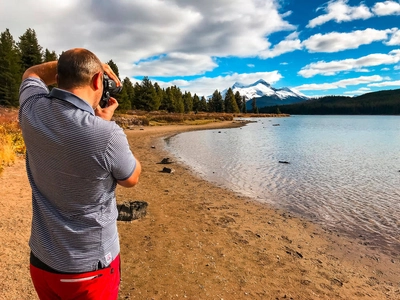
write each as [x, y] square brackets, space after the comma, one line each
[97, 285]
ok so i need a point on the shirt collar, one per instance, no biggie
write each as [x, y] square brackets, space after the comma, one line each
[71, 98]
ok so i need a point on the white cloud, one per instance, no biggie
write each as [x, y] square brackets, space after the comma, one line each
[290, 44]
[205, 86]
[335, 41]
[341, 83]
[395, 39]
[386, 8]
[357, 92]
[129, 31]
[172, 64]
[395, 83]
[336, 66]
[251, 65]
[339, 11]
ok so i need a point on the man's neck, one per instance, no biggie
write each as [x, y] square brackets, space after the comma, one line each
[85, 94]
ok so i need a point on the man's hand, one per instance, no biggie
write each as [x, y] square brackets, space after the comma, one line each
[111, 74]
[107, 113]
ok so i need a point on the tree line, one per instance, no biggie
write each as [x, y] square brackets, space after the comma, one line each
[385, 102]
[16, 57]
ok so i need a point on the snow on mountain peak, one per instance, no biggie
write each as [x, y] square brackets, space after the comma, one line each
[261, 88]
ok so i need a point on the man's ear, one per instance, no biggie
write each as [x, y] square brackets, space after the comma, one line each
[97, 81]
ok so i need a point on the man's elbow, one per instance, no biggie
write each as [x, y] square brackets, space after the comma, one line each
[134, 179]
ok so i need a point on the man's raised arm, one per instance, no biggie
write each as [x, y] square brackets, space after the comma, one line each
[46, 71]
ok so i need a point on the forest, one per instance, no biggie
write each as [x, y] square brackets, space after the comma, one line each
[376, 103]
[16, 57]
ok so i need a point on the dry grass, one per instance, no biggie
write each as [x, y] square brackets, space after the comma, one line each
[11, 141]
[159, 118]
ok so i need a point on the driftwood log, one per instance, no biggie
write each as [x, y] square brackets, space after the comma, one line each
[131, 210]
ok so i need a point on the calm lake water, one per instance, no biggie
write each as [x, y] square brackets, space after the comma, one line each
[343, 172]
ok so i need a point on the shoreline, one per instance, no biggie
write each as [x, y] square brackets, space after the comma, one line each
[201, 241]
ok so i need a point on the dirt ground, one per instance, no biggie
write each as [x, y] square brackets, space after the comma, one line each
[200, 241]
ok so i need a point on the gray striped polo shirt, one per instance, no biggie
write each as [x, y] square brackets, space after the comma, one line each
[73, 160]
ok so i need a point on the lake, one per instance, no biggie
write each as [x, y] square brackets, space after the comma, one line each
[342, 172]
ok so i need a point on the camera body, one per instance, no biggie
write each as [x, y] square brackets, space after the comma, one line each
[110, 88]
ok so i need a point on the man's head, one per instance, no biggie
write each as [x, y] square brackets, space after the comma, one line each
[80, 69]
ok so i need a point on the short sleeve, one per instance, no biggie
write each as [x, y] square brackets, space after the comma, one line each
[119, 157]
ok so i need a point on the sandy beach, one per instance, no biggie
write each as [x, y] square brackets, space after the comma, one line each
[201, 241]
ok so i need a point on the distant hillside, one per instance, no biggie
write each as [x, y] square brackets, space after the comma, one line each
[376, 103]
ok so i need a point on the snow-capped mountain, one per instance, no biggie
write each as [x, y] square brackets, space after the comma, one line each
[265, 94]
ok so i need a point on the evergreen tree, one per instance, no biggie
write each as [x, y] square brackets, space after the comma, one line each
[128, 86]
[244, 108]
[179, 106]
[30, 50]
[196, 103]
[203, 104]
[147, 95]
[10, 72]
[216, 103]
[230, 102]
[254, 105]
[188, 102]
[168, 100]
[239, 101]
[137, 90]
[49, 56]
[124, 98]
[156, 103]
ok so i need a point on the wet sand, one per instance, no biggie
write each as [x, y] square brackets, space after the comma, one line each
[200, 241]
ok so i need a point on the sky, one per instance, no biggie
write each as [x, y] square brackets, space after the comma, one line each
[338, 47]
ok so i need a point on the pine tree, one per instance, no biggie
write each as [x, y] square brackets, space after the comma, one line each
[216, 103]
[130, 91]
[254, 105]
[196, 103]
[179, 106]
[137, 90]
[244, 107]
[31, 51]
[10, 72]
[188, 102]
[49, 56]
[239, 102]
[156, 103]
[230, 102]
[124, 98]
[168, 100]
[146, 98]
[203, 104]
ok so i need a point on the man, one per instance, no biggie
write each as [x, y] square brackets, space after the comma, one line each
[75, 157]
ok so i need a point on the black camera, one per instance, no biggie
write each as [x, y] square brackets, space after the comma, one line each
[110, 88]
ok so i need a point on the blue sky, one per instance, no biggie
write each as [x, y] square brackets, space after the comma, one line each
[317, 47]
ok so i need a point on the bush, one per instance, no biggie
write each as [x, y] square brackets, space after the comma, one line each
[11, 141]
